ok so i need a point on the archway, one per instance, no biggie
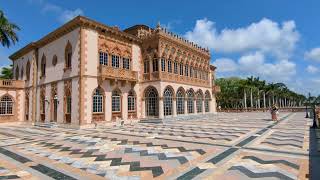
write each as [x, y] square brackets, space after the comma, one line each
[152, 102]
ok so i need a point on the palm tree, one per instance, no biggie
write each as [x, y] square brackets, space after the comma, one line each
[6, 73]
[8, 30]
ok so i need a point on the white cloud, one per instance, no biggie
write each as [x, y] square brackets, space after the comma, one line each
[67, 15]
[254, 64]
[266, 36]
[313, 54]
[63, 15]
[225, 65]
[312, 69]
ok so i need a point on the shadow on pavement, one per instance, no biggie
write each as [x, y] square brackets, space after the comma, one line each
[314, 156]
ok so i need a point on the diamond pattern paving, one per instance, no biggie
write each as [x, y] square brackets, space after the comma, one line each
[223, 146]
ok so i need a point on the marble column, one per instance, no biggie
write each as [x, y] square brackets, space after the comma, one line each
[124, 106]
[161, 116]
[174, 107]
[195, 106]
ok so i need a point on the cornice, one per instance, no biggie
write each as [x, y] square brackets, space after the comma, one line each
[79, 21]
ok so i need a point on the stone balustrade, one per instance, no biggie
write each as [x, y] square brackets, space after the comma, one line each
[109, 72]
[4, 83]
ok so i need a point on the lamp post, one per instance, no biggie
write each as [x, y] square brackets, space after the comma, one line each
[314, 104]
[307, 115]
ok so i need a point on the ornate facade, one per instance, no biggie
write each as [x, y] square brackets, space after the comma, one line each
[86, 72]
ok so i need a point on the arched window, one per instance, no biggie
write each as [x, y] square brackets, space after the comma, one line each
[68, 105]
[28, 70]
[43, 66]
[191, 71]
[103, 58]
[167, 101]
[17, 73]
[169, 66]
[115, 61]
[126, 63]
[27, 105]
[97, 100]
[207, 102]
[190, 101]
[175, 64]
[163, 64]
[152, 102]
[155, 65]
[181, 69]
[68, 55]
[186, 71]
[6, 105]
[116, 101]
[42, 104]
[180, 102]
[146, 66]
[54, 60]
[199, 102]
[131, 101]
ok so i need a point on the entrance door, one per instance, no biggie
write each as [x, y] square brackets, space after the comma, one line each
[152, 103]
[55, 110]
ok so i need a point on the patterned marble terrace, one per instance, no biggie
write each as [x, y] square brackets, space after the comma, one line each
[224, 146]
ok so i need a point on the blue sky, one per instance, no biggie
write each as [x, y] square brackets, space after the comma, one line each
[277, 40]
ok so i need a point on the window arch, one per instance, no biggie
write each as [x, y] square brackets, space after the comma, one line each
[167, 101]
[43, 66]
[131, 101]
[54, 60]
[42, 104]
[180, 101]
[207, 99]
[17, 72]
[6, 105]
[199, 102]
[28, 67]
[68, 55]
[116, 101]
[98, 101]
[190, 101]
[68, 105]
[27, 102]
[151, 102]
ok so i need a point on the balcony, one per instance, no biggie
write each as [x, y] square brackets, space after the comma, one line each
[108, 72]
[18, 84]
[216, 89]
[183, 79]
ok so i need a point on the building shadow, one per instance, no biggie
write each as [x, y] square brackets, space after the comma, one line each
[314, 156]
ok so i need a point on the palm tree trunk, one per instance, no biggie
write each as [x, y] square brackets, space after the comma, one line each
[245, 98]
[251, 100]
[258, 98]
[264, 99]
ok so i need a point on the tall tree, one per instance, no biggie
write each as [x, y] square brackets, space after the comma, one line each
[8, 30]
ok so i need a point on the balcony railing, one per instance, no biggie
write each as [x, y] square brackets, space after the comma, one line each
[109, 72]
[171, 77]
[11, 83]
[216, 89]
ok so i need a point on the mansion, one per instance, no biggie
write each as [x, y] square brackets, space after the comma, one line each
[86, 72]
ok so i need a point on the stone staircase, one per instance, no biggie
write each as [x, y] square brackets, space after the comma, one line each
[210, 116]
[47, 124]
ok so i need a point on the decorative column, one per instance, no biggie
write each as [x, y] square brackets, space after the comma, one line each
[161, 116]
[143, 108]
[124, 106]
[203, 107]
[185, 106]
[174, 107]
[195, 106]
